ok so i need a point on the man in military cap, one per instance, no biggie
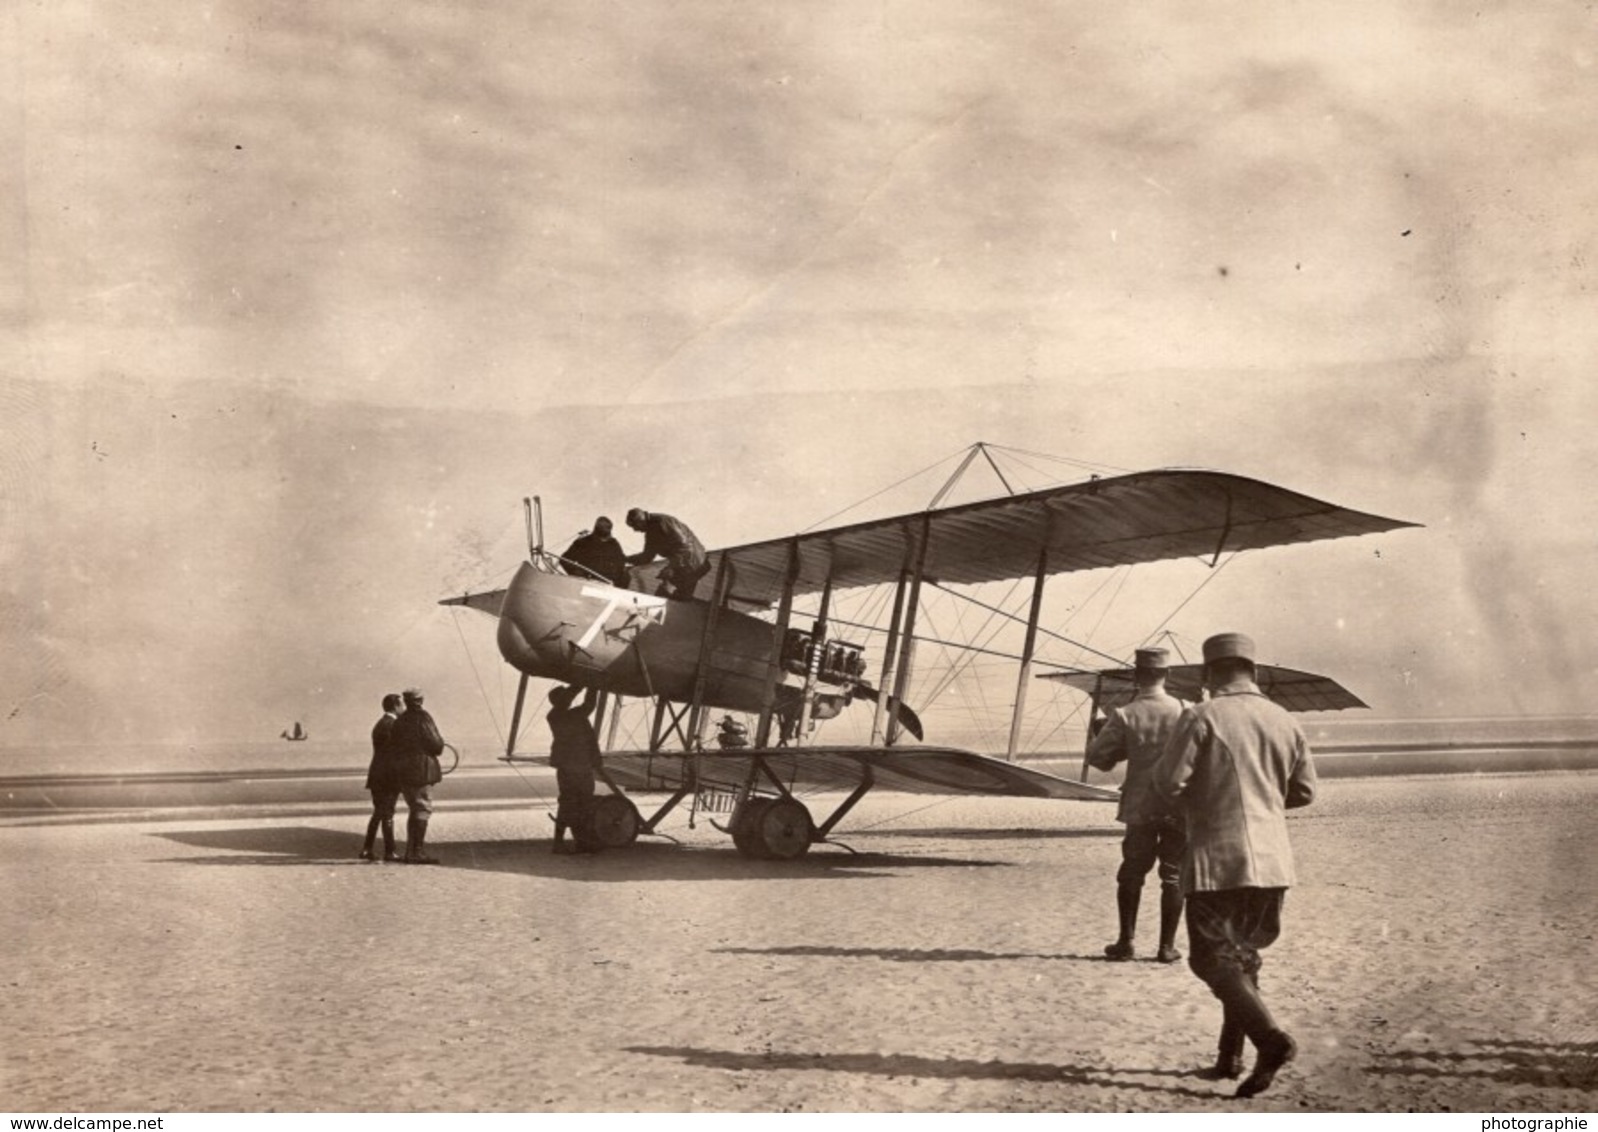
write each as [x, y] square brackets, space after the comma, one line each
[416, 747]
[669, 538]
[1235, 764]
[1137, 733]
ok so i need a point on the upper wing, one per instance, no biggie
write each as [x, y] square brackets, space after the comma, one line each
[909, 770]
[1144, 517]
[1294, 690]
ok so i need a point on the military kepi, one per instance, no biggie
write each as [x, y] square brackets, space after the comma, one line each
[1225, 645]
[1153, 659]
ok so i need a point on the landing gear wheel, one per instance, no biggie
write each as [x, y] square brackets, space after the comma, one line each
[616, 821]
[746, 827]
[785, 830]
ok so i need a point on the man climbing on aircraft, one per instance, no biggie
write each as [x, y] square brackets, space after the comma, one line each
[1137, 733]
[1235, 764]
[598, 554]
[669, 538]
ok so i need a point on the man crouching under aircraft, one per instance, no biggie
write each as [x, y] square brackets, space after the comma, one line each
[1235, 764]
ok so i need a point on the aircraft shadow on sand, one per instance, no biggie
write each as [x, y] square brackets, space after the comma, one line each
[275, 846]
[906, 954]
[951, 1068]
[1559, 1065]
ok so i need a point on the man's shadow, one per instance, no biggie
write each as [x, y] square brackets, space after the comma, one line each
[1559, 1065]
[911, 954]
[953, 1068]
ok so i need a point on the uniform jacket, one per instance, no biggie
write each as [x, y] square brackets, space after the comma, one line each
[417, 745]
[572, 741]
[1235, 765]
[669, 538]
[382, 776]
[1137, 733]
[603, 555]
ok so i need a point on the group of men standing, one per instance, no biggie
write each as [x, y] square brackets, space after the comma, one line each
[597, 553]
[405, 747]
[1205, 797]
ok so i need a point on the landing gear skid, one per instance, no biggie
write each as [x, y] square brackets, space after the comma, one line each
[768, 827]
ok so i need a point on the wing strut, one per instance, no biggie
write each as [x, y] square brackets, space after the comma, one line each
[1093, 714]
[891, 656]
[1027, 648]
[818, 636]
[707, 645]
[1226, 532]
[516, 716]
[779, 633]
[907, 658]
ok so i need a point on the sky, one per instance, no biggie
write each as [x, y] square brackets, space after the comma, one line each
[300, 304]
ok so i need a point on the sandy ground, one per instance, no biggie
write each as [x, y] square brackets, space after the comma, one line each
[1438, 955]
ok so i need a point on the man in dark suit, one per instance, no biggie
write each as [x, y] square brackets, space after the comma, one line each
[383, 780]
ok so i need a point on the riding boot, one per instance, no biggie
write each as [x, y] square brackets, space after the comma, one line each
[410, 837]
[371, 838]
[1170, 917]
[415, 852]
[388, 840]
[1240, 996]
[1127, 898]
[1229, 1051]
[1273, 1051]
[560, 846]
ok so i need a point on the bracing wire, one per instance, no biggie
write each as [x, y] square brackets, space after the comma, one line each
[1208, 578]
[477, 676]
[884, 491]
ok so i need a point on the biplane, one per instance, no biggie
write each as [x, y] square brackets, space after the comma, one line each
[734, 644]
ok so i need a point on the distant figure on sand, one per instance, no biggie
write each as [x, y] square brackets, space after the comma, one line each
[598, 555]
[383, 780]
[669, 538]
[574, 753]
[1235, 764]
[417, 745]
[1137, 734]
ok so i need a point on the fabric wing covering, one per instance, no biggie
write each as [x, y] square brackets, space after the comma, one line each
[1144, 517]
[1294, 690]
[907, 770]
